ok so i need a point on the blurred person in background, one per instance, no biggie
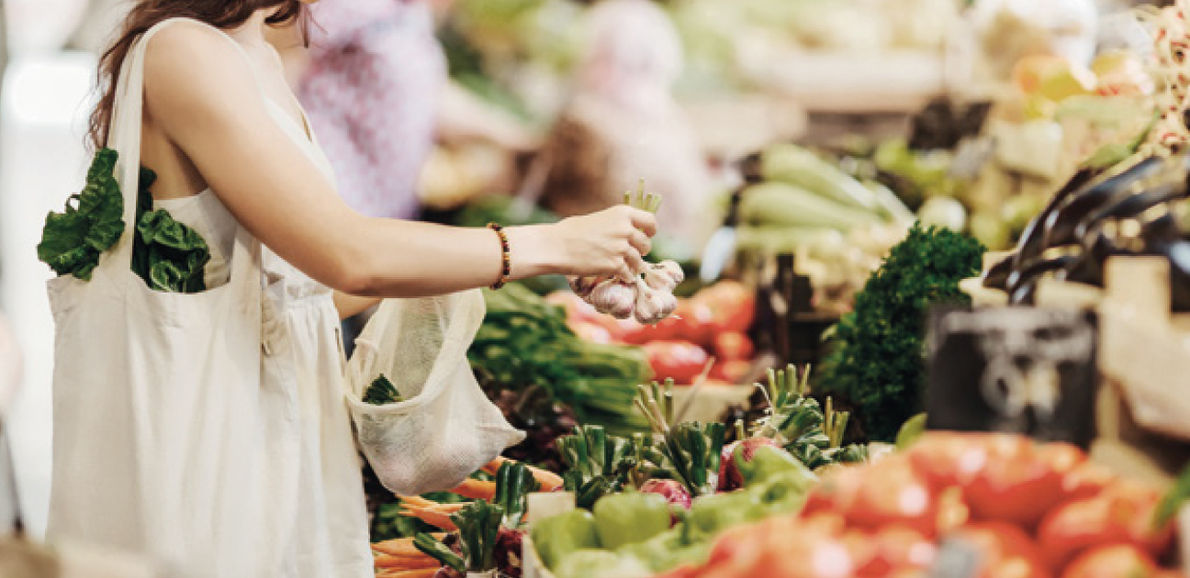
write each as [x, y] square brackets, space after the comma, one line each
[622, 123]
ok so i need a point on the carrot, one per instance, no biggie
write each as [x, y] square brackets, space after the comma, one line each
[402, 547]
[419, 573]
[549, 480]
[417, 501]
[476, 489]
[424, 561]
[437, 516]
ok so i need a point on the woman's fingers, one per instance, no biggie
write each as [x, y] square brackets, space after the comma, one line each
[643, 221]
[640, 242]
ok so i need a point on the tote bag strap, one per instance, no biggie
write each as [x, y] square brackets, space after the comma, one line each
[124, 137]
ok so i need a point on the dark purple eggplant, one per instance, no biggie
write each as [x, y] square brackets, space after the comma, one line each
[1131, 206]
[1021, 283]
[1032, 238]
[996, 277]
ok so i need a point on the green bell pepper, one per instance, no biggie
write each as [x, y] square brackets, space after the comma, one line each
[629, 518]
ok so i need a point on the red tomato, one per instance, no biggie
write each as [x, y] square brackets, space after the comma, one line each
[733, 304]
[1006, 550]
[1116, 561]
[1086, 480]
[891, 549]
[892, 492]
[949, 458]
[733, 372]
[1121, 513]
[1018, 484]
[732, 346]
[681, 360]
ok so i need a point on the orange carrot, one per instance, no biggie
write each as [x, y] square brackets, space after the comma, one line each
[417, 501]
[437, 515]
[476, 489]
[401, 546]
[419, 573]
[549, 480]
[424, 561]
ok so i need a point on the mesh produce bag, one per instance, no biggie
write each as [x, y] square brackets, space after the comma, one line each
[443, 428]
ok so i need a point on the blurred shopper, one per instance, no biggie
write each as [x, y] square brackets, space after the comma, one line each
[623, 124]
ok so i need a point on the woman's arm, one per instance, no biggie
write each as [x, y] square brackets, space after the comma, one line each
[203, 95]
[352, 305]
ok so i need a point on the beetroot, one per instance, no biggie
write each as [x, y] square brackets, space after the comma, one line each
[508, 552]
[672, 490]
[730, 477]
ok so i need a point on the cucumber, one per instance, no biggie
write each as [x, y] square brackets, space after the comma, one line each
[780, 204]
[795, 165]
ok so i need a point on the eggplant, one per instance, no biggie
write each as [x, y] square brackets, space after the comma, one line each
[1021, 283]
[996, 277]
[1032, 238]
[1131, 206]
[1179, 275]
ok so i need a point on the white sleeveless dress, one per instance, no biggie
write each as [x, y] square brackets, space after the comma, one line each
[317, 509]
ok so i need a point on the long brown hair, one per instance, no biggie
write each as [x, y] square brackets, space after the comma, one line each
[147, 13]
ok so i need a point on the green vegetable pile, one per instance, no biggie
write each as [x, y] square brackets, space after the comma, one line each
[877, 359]
[633, 534]
[801, 425]
[524, 343]
[168, 255]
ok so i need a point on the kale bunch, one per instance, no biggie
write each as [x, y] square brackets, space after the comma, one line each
[877, 360]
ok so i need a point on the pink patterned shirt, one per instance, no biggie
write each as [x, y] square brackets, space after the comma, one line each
[376, 71]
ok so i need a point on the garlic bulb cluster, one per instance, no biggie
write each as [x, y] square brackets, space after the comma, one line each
[649, 297]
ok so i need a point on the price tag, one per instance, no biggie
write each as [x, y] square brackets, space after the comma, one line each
[1013, 369]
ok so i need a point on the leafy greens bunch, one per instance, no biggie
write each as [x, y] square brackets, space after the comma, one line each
[877, 358]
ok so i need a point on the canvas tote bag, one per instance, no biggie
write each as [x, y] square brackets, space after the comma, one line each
[158, 419]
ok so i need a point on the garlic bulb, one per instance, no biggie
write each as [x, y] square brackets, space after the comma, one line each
[653, 305]
[664, 276]
[613, 298]
[582, 286]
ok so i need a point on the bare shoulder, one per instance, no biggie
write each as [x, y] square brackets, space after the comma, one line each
[187, 61]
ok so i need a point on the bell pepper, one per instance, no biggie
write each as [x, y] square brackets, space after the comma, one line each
[600, 564]
[558, 536]
[764, 461]
[630, 518]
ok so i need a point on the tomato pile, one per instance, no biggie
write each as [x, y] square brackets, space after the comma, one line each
[1005, 505]
[711, 323]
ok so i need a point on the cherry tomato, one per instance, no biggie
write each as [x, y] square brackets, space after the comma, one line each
[1086, 480]
[890, 549]
[949, 458]
[733, 346]
[1115, 561]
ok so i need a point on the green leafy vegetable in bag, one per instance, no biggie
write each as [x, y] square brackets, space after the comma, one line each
[72, 240]
[381, 391]
[168, 255]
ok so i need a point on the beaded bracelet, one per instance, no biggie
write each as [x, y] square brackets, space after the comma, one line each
[506, 256]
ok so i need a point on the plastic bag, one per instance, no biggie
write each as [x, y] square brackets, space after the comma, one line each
[444, 428]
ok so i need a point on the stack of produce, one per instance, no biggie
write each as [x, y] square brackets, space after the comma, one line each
[836, 226]
[998, 503]
[712, 323]
[544, 376]
[482, 534]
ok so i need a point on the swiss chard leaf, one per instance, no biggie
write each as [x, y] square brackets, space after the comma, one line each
[381, 391]
[71, 241]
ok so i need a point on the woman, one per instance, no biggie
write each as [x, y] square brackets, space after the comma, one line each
[237, 162]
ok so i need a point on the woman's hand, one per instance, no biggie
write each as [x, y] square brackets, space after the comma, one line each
[609, 242]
